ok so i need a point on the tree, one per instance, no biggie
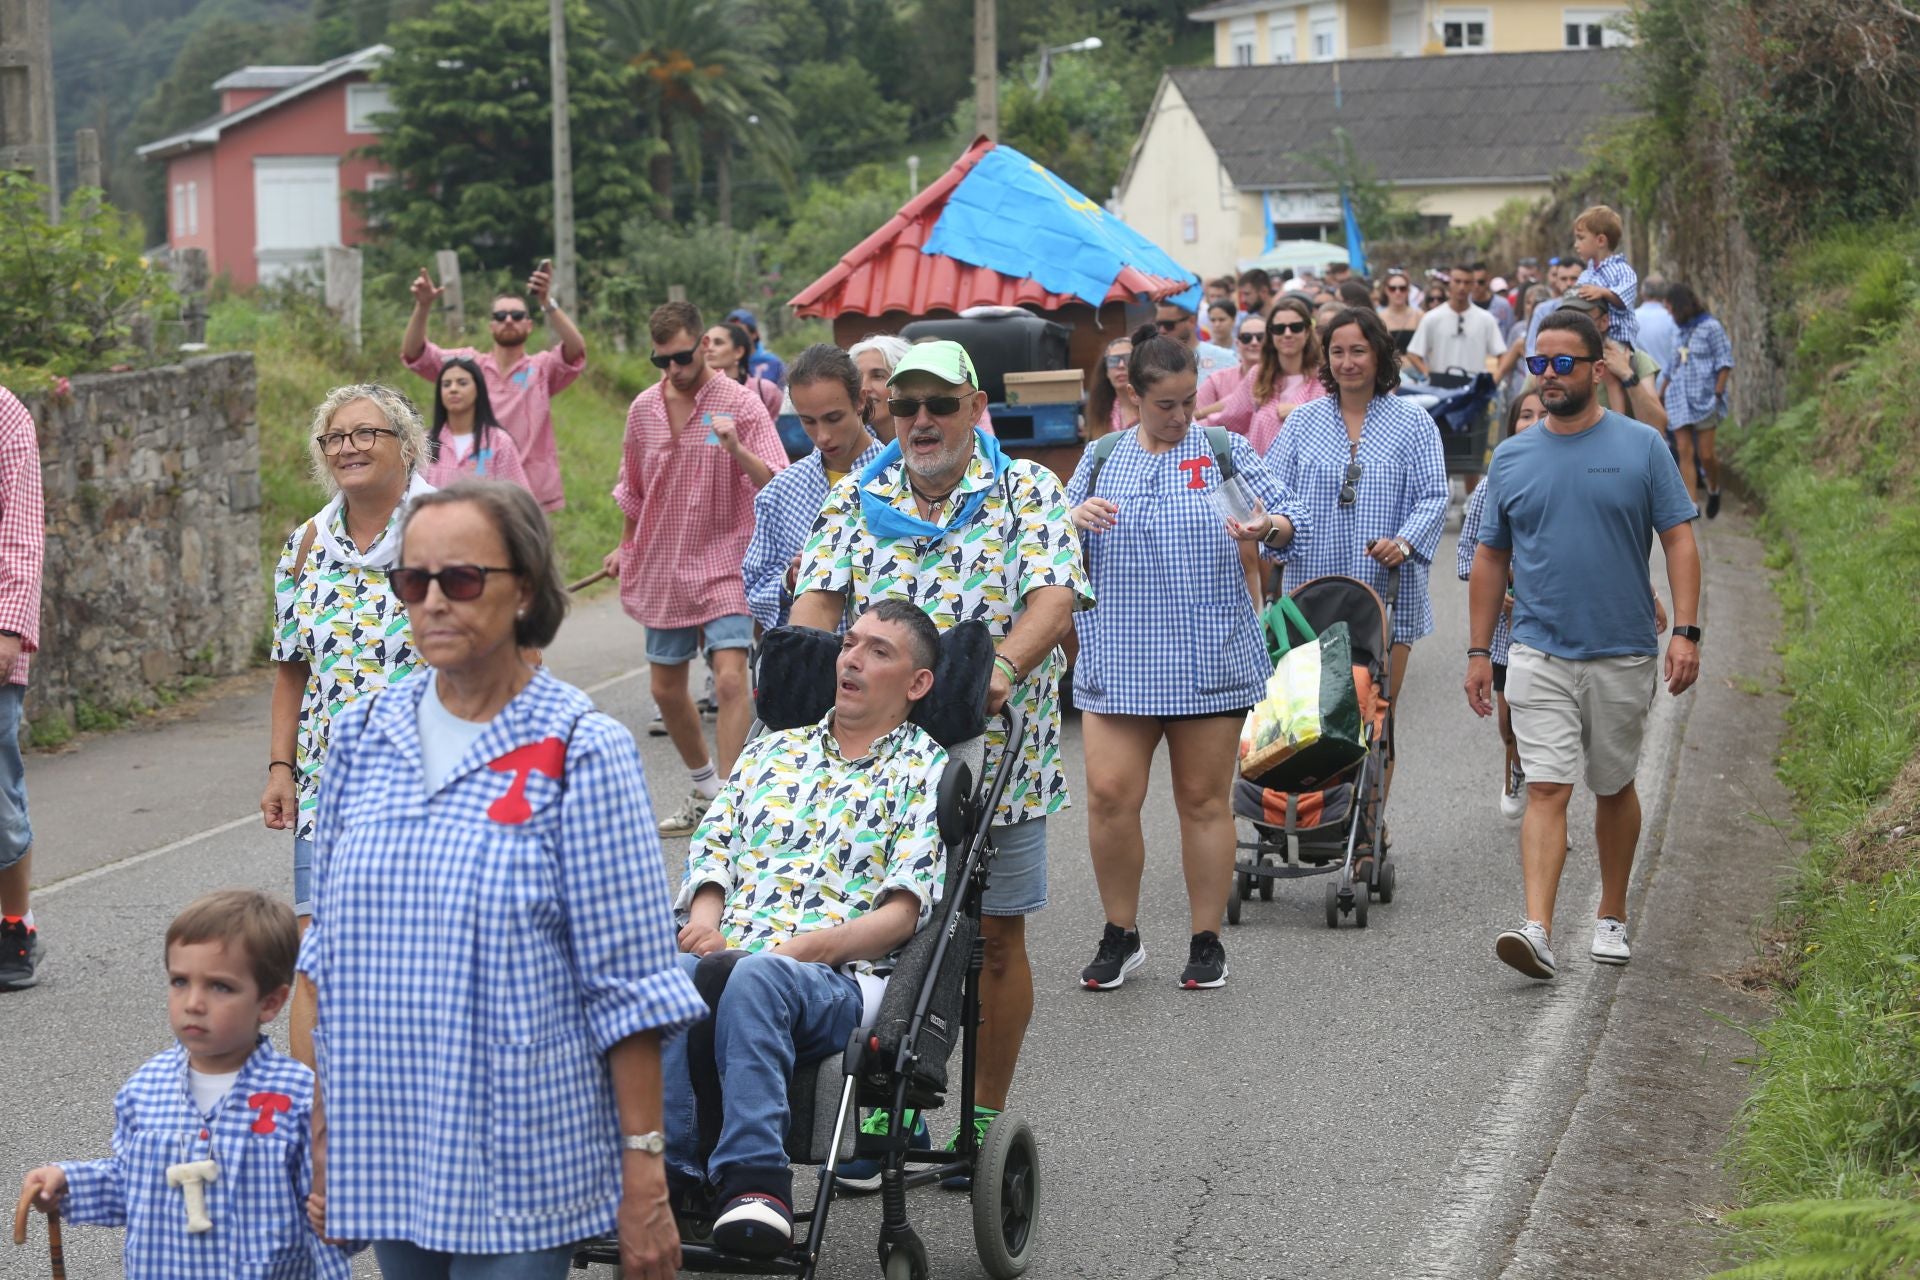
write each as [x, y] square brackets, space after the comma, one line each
[703, 82]
[848, 120]
[834, 217]
[344, 26]
[469, 138]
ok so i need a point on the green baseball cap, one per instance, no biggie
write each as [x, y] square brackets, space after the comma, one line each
[944, 359]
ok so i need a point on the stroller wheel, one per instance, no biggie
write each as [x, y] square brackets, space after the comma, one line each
[1245, 885]
[1233, 906]
[1333, 906]
[1386, 882]
[1266, 888]
[1360, 905]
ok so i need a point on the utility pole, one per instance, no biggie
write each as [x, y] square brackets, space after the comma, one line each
[26, 94]
[986, 69]
[562, 289]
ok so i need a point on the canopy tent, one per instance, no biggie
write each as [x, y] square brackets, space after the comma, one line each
[1297, 256]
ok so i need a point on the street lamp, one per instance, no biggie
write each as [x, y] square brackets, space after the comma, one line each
[1046, 60]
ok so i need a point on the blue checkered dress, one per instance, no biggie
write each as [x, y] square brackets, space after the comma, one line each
[477, 951]
[1402, 494]
[1701, 349]
[1463, 564]
[258, 1203]
[1173, 632]
[783, 515]
[1617, 276]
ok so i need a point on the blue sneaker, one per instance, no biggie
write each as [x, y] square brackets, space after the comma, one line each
[863, 1175]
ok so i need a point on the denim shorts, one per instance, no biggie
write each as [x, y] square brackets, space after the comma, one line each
[16, 832]
[1017, 877]
[302, 877]
[675, 646]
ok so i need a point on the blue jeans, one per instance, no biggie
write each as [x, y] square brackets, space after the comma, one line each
[401, 1260]
[776, 1014]
[302, 877]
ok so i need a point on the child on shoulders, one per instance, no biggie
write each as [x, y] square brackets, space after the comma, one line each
[1608, 277]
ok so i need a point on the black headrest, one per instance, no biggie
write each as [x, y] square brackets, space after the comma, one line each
[795, 684]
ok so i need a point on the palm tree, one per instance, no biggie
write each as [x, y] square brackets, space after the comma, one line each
[705, 84]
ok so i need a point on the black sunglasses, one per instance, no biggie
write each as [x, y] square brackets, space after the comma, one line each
[1251, 339]
[503, 316]
[678, 357]
[457, 582]
[1396, 288]
[1166, 326]
[1350, 491]
[1288, 326]
[938, 406]
[1562, 365]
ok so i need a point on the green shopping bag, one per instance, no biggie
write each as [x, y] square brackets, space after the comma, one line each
[1307, 727]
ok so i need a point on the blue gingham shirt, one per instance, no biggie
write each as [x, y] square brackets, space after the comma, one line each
[1173, 630]
[477, 950]
[1614, 274]
[783, 514]
[1463, 564]
[1701, 349]
[258, 1203]
[1402, 494]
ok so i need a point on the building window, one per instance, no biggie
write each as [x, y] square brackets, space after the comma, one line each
[1240, 39]
[1466, 30]
[1283, 41]
[193, 208]
[1594, 28]
[364, 102]
[179, 209]
[1323, 33]
[376, 182]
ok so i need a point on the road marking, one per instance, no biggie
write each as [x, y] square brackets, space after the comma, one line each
[134, 860]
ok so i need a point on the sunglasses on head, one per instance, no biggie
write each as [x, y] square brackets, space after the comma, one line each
[1562, 365]
[678, 357]
[512, 313]
[457, 582]
[938, 406]
[1288, 326]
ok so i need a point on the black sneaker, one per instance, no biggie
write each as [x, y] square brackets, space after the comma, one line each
[1713, 503]
[1206, 963]
[1119, 955]
[19, 955]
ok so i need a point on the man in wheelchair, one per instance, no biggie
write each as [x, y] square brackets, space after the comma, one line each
[818, 860]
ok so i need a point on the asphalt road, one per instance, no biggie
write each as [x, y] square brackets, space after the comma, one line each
[1377, 1103]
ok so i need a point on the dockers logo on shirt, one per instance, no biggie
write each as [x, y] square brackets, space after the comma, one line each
[1196, 469]
[547, 756]
[268, 1105]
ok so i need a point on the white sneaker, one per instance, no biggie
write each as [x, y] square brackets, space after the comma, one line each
[1610, 942]
[1513, 795]
[657, 727]
[685, 820]
[1526, 949]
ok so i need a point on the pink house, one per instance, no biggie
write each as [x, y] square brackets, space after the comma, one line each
[261, 186]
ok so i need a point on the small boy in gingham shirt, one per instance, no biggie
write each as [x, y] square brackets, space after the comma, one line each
[1608, 277]
[212, 1160]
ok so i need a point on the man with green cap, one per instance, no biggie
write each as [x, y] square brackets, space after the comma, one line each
[944, 519]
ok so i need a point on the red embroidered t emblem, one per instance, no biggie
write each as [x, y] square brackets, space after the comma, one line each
[547, 756]
[268, 1105]
[1196, 469]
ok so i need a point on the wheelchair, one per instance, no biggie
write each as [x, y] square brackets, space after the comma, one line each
[932, 1001]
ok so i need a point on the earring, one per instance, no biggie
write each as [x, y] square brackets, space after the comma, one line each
[521, 614]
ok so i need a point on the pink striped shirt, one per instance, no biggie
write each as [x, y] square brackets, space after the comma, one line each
[499, 460]
[1218, 386]
[1295, 390]
[23, 529]
[522, 400]
[692, 506]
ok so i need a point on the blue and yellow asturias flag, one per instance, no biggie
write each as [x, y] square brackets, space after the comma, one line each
[1015, 216]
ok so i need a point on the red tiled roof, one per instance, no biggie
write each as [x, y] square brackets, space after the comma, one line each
[887, 272]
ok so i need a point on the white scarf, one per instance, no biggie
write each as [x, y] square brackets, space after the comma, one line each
[384, 553]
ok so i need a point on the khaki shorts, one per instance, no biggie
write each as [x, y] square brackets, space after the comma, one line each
[1565, 707]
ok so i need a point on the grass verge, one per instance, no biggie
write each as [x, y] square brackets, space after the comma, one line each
[1829, 1146]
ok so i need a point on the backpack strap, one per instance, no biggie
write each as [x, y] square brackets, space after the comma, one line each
[300, 557]
[1102, 450]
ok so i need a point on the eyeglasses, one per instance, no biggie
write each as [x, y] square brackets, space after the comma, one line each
[1251, 339]
[1562, 365]
[1116, 362]
[457, 582]
[1350, 491]
[501, 317]
[364, 438]
[681, 358]
[1288, 326]
[938, 406]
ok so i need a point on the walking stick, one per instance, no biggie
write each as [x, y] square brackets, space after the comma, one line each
[586, 582]
[55, 1253]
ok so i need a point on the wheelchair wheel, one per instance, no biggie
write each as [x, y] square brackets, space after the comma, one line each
[1243, 884]
[1006, 1198]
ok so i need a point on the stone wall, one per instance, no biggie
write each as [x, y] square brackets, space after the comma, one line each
[153, 534]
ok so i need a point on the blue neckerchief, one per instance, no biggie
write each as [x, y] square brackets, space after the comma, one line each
[884, 520]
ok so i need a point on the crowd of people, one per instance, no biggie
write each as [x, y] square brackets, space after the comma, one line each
[432, 770]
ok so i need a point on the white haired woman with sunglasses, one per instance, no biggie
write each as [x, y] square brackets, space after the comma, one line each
[340, 633]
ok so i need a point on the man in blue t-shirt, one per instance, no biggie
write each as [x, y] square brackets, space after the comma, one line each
[1572, 511]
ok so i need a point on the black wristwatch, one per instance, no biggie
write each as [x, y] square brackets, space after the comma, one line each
[1689, 633]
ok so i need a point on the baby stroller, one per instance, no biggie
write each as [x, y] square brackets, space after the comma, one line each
[1339, 828]
[932, 1001]
[1459, 404]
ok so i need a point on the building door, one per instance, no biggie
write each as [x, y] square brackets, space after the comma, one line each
[296, 213]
